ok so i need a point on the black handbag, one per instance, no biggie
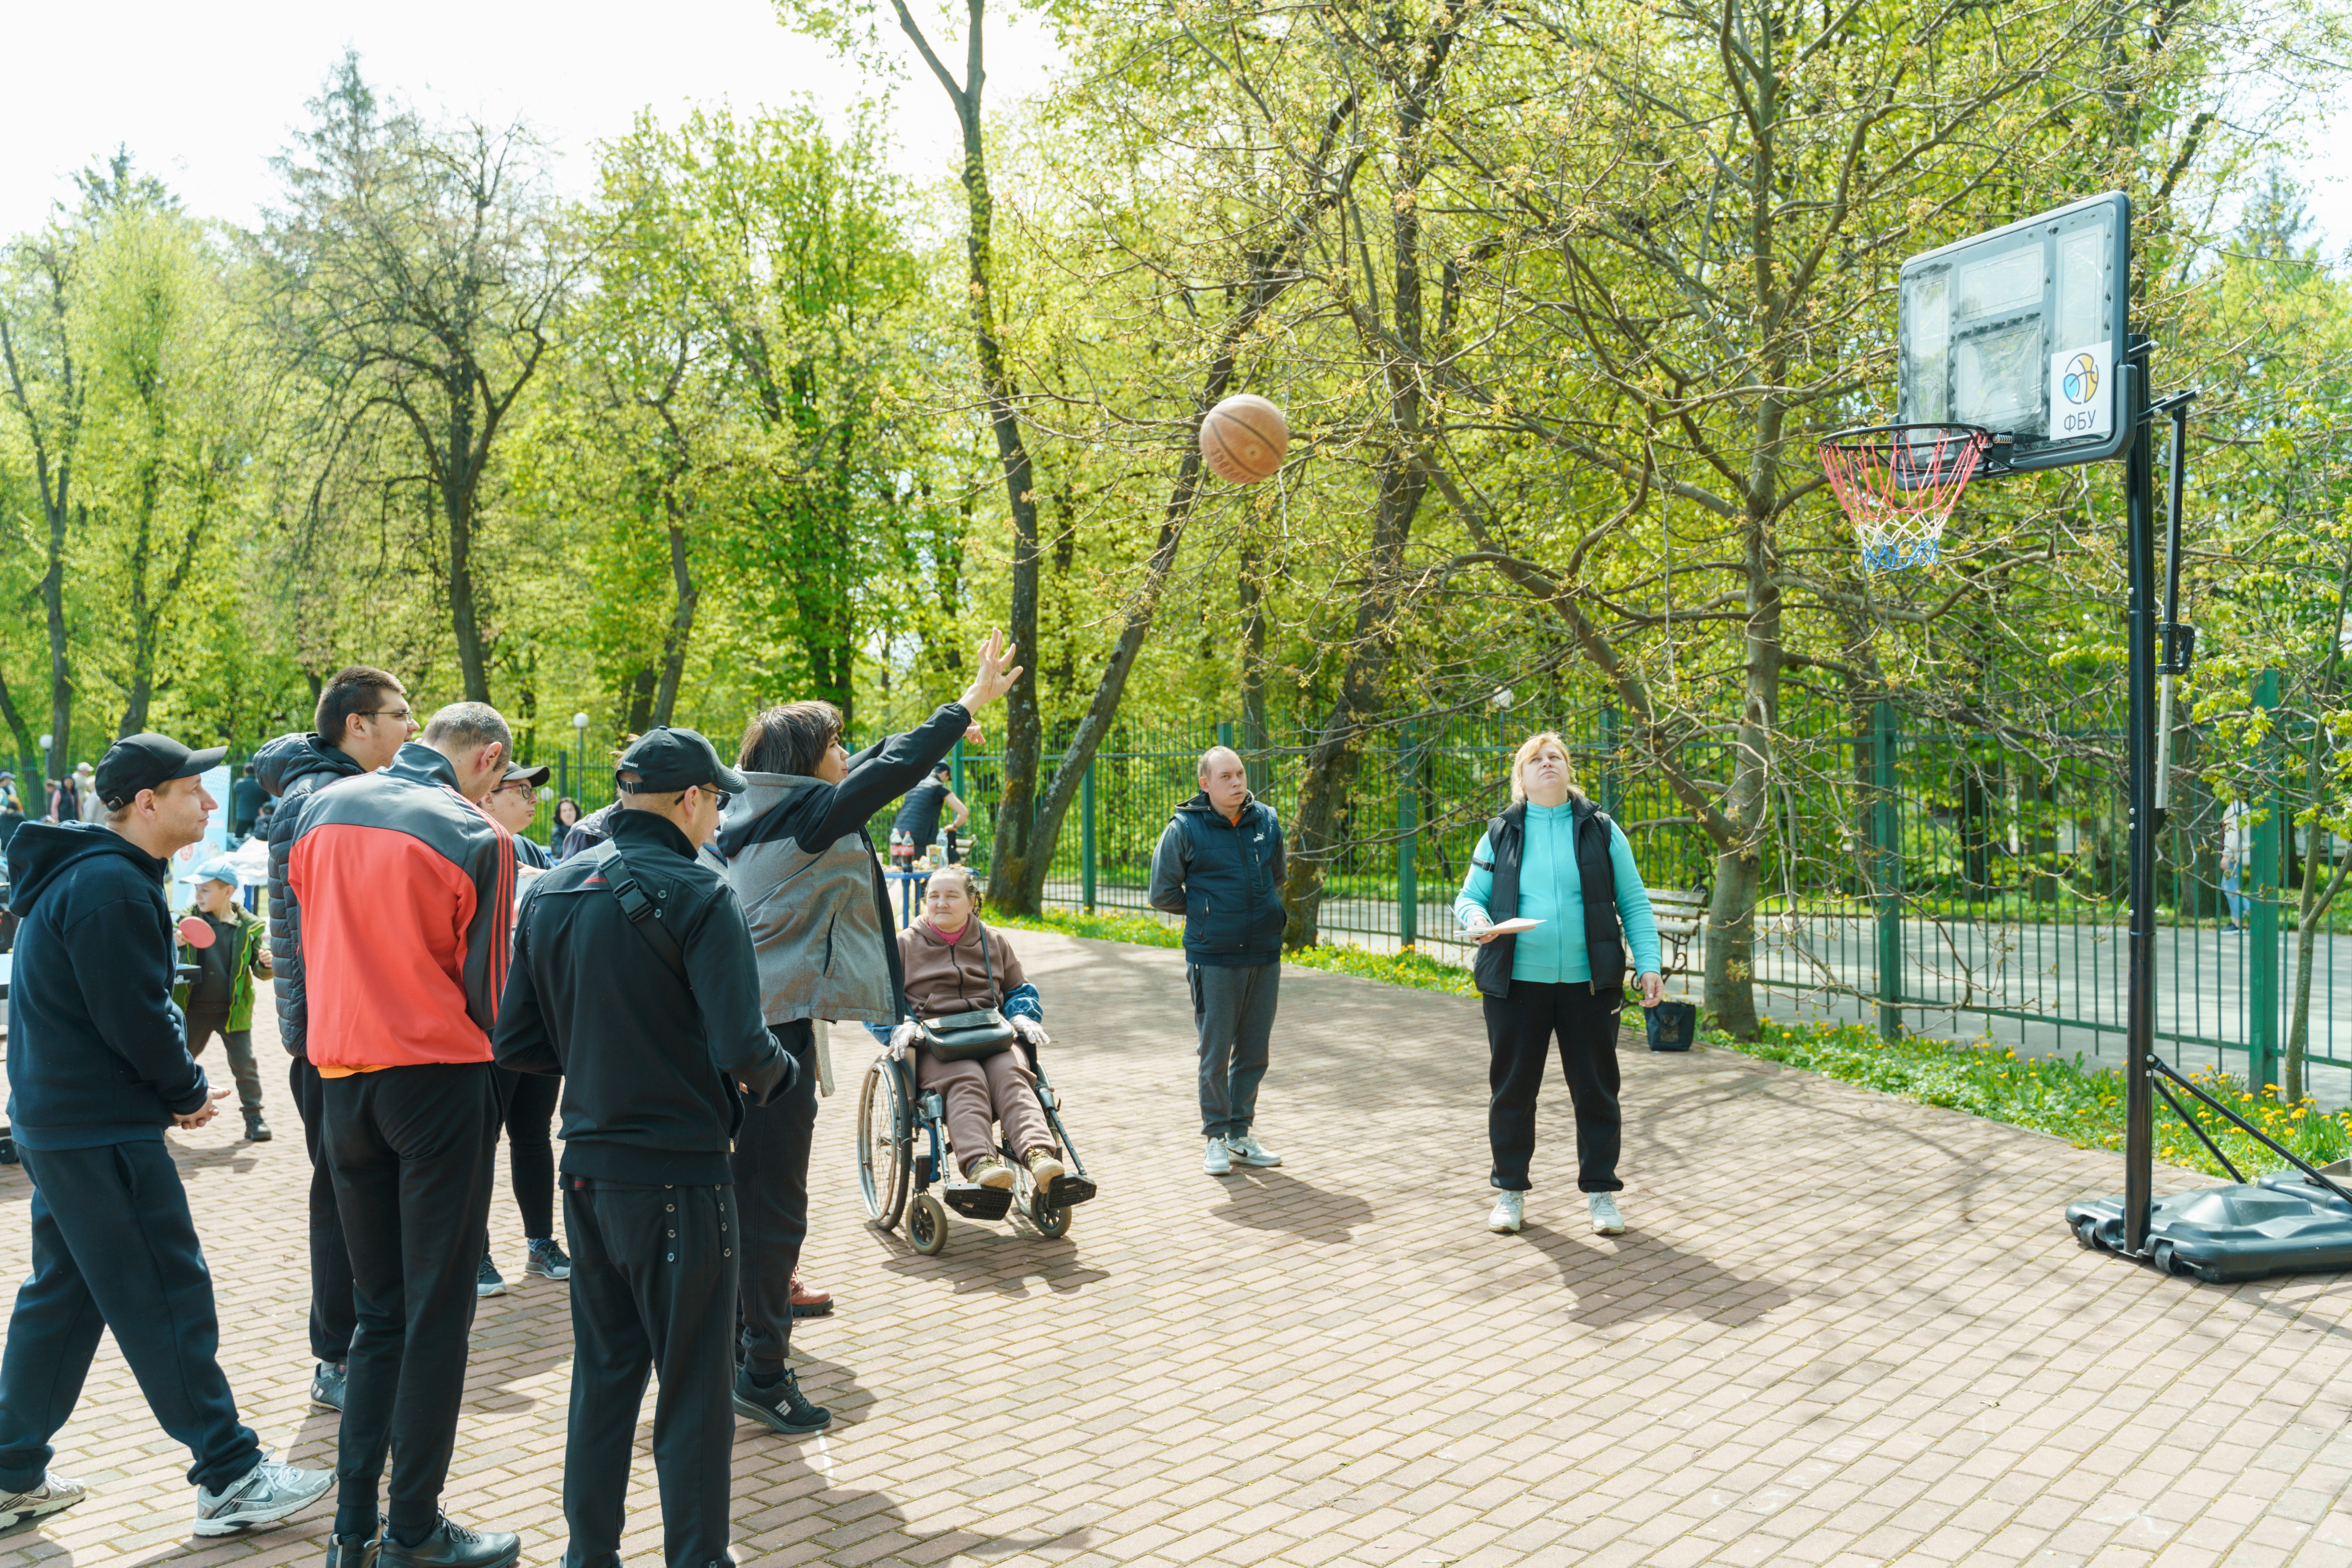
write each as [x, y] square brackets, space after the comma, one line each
[973, 1035]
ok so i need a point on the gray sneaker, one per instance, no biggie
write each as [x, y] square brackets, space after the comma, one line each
[267, 1494]
[1606, 1220]
[22, 1510]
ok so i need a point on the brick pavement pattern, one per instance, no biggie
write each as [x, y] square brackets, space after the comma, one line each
[1842, 1330]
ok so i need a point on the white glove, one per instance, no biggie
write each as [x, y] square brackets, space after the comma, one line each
[904, 1038]
[1031, 1030]
[1474, 922]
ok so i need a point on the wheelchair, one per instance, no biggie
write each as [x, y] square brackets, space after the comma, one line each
[902, 1145]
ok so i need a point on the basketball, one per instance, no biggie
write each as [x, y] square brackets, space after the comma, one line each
[1244, 438]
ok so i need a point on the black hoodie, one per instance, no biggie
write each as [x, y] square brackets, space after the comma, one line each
[292, 768]
[96, 1053]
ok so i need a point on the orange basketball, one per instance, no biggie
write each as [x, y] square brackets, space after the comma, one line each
[1244, 438]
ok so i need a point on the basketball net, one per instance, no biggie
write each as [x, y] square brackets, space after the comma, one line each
[1898, 483]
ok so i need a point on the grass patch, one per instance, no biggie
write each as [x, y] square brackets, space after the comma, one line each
[2083, 1105]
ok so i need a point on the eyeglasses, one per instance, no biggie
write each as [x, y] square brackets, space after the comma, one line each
[405, 715]
[718, 796]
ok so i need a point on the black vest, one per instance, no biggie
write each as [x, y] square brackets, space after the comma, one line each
[1604, 942]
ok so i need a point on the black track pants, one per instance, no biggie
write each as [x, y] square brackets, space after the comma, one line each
[653, 1291]
[332, 1310]
[531, 1099]
[770, 1166]
[1521, 1030]
[411, 1148]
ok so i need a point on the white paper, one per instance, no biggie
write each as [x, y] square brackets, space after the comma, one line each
[1516, 925]
[2082, 393]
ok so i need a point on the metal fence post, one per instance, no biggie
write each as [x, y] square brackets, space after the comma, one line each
[1086, 835]
[1408, 825]
[1612, 788]
[2259, 880]
[1886, 833]
[955, 768]
[563, 774]
[1225, 731]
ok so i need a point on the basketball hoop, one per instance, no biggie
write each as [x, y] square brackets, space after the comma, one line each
[1899, 482]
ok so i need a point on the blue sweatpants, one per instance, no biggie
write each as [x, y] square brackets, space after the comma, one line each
[115, 1248]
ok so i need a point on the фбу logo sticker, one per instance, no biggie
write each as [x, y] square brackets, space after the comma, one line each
[2081, 382]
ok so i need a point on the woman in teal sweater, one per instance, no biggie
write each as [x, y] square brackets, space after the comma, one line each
[1553, 856]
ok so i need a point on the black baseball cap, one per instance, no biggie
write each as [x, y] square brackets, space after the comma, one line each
[517, 773]
[664, 758]
[143, 761]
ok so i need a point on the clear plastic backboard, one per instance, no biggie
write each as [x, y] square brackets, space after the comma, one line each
[2020, 329]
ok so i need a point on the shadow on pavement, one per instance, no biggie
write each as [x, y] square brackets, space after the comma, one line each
[1273, 1199]
[1627, 1278]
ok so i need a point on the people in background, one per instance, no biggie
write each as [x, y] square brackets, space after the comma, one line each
[567, 817]
[804, 870]
[245, 798]
[2237, 843]
[1219, 865]
[218, 1000]
[1555, 857]
[916, 826]
[87, 805]
[649, 1021]
[407, 890]
[97, 1068]
[529, 1098]
[361, 721]
[955, 964]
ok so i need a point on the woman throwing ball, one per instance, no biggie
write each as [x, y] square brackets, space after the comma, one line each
[1557, 907]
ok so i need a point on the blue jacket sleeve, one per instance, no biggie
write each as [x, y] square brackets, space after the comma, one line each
[1634, 905]
[1022, 1002]
[1477, 884]
[1167, 892]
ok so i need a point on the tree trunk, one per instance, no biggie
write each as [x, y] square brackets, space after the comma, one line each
[460, 466]
[1254, 724]
[681, 620]
[28, 755]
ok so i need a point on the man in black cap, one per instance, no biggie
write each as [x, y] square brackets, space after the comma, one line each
[98, 1066]
[633, 978]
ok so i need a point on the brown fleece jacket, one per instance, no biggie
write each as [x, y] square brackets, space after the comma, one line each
[943, 979]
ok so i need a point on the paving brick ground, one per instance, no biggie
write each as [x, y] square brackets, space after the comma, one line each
[1842, 1329]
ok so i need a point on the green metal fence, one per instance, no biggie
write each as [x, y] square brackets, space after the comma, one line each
[1970, 885]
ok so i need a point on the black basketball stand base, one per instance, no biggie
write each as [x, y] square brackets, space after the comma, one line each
[2283, 1224]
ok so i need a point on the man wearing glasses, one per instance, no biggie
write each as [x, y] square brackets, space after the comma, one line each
[362, 720]
[633, 978]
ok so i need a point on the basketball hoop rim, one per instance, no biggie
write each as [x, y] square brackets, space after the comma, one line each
[1990, 466]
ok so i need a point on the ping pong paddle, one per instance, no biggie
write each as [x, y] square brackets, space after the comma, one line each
[195, 931]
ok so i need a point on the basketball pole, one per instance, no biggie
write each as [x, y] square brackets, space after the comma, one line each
[2139, 544]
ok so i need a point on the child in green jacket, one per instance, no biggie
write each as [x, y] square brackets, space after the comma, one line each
[219, 1000]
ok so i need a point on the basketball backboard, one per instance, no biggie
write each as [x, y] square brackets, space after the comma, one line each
[2020, 329]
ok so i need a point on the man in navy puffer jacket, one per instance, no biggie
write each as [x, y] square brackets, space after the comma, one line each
[1219, 865]
[367, 716]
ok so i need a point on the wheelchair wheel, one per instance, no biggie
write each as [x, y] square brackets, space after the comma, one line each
[886, 1138]
[1052, 1223]
[926, 1225]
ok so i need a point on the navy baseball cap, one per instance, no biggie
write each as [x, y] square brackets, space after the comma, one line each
[144, 761]
[664, 758]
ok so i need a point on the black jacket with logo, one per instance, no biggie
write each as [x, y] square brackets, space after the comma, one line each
[1225, 878]
[650, 1061]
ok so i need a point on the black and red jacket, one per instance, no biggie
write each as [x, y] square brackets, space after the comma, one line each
[407, 891]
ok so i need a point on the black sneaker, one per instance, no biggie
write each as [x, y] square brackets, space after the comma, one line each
[256, 1131]
[780, 1406]
[488, 1280]
[547, 1260]
[451, 1546]
[351, 1550]
[327, 1384]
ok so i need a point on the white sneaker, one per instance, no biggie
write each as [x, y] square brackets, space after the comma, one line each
[1250, 1151]
[1510, 1212]
[1606, 1220]
[267, 1494]
[1216, 1160]
[55, 1494]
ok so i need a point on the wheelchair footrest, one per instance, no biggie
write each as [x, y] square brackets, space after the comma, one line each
[975, 1202]
[1069, 1190]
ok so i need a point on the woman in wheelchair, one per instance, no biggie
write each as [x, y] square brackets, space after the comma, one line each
[948, 971]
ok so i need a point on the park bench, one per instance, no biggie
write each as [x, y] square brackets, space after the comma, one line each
[1680, 912]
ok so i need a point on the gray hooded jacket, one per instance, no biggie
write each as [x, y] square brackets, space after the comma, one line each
[805, 870]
